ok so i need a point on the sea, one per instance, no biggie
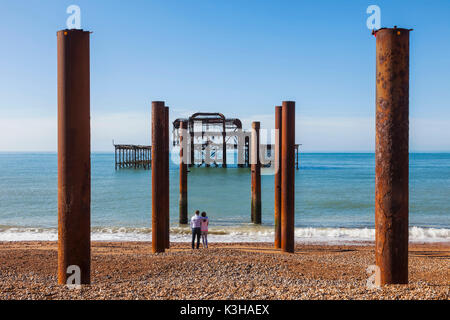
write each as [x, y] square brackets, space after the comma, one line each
[334, 199]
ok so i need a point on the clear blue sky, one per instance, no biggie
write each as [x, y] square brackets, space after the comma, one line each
[240, 58]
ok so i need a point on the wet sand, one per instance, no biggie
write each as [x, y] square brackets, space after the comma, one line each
[128, 270]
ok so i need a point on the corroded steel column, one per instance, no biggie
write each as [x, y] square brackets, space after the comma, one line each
[392, 151]
[183, 203]
[167, 185]
[159, 173]
[287, 176]
[74, 147]
[278, 126]
[256, 175]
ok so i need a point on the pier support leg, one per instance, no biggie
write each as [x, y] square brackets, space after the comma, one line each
[192, 163]
[159, 173]
[115, 158]
[256, 175]
[224, 146]
[288, 176]
[74, 163]
[392, 151]
[277, 204]
[183, 203]
[167, 192]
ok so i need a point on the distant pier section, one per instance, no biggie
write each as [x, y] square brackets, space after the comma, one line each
[210, 136]
[132, 156]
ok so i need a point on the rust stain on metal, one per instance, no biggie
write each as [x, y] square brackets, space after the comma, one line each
[288, 176]
[392, 152]
[159, 182]
[256, 175]
[277, 205]
[74, 165]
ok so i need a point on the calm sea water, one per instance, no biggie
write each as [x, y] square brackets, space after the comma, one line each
[334, 199]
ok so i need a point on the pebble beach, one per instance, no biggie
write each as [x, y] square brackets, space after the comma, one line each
[128, 270]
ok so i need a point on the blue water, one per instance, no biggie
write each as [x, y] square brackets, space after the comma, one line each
[332, 191]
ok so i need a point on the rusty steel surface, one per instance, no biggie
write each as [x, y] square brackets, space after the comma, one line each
[255, 175]
[183, 202]
[159, 181]
[392, 151]
[166, 170]
[74, 165]
[277, 204]
[288, 176]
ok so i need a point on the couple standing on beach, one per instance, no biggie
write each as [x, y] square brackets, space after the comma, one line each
[199, 226]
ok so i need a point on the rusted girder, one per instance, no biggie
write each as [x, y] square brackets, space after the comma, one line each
[288, 176]
[392, 152]
[278, 127]
[256, 174]
[159, 177]
[183, 203]
[74, 163]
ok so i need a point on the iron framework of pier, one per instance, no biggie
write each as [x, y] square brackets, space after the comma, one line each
[132, 156]
[210, 135]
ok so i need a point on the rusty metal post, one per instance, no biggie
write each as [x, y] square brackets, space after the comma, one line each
[392, 152]
[288, 176]
[183, 203]
[159, 173]
[256, 175]
[166, 169]
[74, 152]
[278, 128]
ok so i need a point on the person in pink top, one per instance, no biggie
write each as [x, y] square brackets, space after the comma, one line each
[204, 229]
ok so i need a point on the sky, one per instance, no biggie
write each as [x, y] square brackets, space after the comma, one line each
[237, 57]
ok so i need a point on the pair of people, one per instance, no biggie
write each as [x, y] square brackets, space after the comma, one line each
[199, 226]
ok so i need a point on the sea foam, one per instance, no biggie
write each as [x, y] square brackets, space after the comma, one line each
[227, 234]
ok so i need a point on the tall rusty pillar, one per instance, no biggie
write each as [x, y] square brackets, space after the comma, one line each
[224, 145]
[277, 204]
[256, 174]
[391, 155]
[159, 173]
[183, 202]
[167, 185]
[74, 155]
[287, 176]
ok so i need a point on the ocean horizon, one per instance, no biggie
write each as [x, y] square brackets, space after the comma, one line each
[334, 199]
